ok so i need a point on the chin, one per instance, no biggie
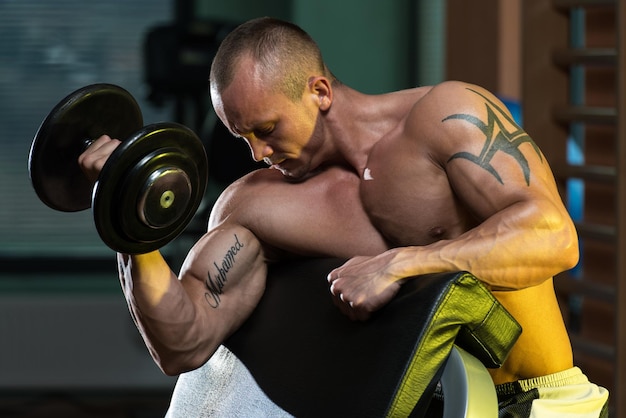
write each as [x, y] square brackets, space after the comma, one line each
[295, 175]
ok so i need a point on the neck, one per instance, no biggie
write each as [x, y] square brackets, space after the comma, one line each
[355, 122]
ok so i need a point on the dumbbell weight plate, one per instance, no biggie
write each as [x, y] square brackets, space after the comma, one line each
[82, 116]
[150, 188]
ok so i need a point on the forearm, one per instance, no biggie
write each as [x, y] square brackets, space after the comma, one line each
[519, 247]
[147, 276]
[157, 301]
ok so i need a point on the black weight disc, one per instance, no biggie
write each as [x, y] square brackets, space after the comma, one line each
[150, 188]
[82, 116]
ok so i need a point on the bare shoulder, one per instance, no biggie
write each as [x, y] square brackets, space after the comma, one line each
[301, 217]
[450, 93]
[242, 194]
[454, 115]
[455, 97]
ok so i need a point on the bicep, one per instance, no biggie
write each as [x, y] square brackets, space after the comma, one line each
[489, 183]
[225, 275]
[491, 162]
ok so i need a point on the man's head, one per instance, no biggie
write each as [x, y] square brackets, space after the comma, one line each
[286, 55]
[269, 86]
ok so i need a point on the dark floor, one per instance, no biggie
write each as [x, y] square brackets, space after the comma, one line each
[84, 405]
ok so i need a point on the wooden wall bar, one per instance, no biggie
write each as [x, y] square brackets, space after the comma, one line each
[593, 297]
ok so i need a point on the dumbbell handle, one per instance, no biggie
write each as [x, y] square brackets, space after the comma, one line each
[87, 143]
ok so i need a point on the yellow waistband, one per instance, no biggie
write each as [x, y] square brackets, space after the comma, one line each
[573, 376]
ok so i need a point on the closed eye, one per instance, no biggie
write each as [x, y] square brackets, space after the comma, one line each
[263, 132]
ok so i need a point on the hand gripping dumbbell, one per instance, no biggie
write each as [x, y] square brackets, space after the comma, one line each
[150, 187]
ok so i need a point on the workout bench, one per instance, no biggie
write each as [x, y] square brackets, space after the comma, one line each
[312, 361]
[305, 355]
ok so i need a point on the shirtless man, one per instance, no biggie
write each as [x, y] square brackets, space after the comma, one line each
[418, 181]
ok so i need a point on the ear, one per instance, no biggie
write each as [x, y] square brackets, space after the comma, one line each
[320, 88]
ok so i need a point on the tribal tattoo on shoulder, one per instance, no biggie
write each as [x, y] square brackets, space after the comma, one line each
[501, 134]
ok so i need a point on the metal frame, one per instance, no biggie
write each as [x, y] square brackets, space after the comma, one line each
[468, 386]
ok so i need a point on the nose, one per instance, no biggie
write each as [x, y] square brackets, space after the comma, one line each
[260, 149]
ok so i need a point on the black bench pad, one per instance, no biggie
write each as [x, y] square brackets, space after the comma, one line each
[313, 361]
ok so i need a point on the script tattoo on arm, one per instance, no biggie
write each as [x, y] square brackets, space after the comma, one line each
[215, 283]
[501, 134]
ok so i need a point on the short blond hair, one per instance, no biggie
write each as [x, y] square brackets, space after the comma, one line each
[287, 55]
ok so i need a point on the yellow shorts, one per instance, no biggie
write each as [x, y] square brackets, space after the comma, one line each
[565, 394]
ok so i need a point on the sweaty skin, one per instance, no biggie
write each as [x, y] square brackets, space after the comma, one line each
[448, 182]
[418, 181]
[458, 186]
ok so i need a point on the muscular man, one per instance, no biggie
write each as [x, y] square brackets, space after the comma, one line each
[417, 181]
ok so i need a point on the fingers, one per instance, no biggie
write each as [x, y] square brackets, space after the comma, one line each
[95, 156]
[340, 296]
[334, 274]
[361, 287]
[343, 300]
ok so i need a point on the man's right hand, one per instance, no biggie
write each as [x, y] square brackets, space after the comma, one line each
[93, 158]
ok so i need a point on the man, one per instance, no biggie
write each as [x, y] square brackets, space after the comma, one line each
[417, 181]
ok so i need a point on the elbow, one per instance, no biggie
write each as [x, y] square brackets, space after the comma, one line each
[567, 250]
[175, 362]
[173, 369]
[169, 370]
[571, 252]
[176, 365]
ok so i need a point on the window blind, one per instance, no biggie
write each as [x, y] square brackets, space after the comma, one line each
[47, 50]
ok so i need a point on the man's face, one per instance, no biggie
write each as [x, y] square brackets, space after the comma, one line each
[278, 130]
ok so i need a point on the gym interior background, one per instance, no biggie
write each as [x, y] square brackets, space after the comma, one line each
[67, 343]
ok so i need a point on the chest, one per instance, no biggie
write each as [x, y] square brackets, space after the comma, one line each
[408, 198]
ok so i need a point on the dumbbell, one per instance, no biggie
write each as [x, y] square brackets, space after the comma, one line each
[149, 188]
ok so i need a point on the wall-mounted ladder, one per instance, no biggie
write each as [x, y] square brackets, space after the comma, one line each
[574, 105]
